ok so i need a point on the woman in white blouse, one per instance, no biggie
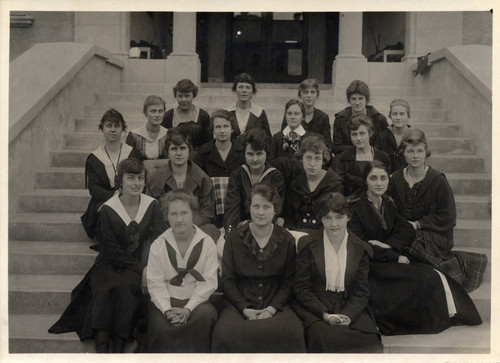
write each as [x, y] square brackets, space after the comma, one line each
[181, 276]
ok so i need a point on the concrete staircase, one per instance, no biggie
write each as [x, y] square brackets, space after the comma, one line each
[48, 248]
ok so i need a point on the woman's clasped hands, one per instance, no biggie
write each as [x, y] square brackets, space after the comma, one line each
[177, 316]
[258, 314]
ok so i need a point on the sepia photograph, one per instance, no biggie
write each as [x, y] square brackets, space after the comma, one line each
[287, 179]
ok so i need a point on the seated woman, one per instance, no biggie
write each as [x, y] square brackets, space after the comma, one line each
[178, 172]
[248, 115]
[304, 192]
[219, 157]
[101, 165]
[389, 140]
[331, 285]
[194, 120]
[358, 95]
[315, 120]
[286, 143]
[424, 197]
[108, 302]
[350, 164]
[258, 266]
[181, 276]
[150, 138]
[406, 298]
[241, 180]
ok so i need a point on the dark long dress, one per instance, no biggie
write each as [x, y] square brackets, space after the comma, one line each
[256, 119]
[110, 296]
[361, 336]
[300, 207]
[199, 131]
[149, 149]
[97, 180]
[405, 298]
[341, 133]
[351, 171]
[257, 278]
[386, 142]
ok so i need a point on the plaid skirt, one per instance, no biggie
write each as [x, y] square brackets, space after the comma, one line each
[466, 268]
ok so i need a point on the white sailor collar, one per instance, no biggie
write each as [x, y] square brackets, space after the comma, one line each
[115, 203]
[255, 109]
[168, 236]
[299, 130]
[144, 133]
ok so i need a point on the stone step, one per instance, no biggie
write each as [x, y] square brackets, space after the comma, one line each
[455, 340]
[472, 233]
[28, 334]
[274, 114]
[55, 200]
[469, 183]
[48, 257]
[266, 100]
[451, 163]
[47, 227]
[61, 178]
[473, 207]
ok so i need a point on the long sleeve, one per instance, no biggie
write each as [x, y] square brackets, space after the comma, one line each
[158, 225]
[232, 211]
[157, 277]
[303, 286]
[442, 216]
[339, 142]
[265, 123]
[282, 296]
[402, 233]
[229, 279]
[273, 152]
[97, 188]
[130, 140]
[206, 127]
[203, 289]
[359, 291]
[327, 131]
[206, 203]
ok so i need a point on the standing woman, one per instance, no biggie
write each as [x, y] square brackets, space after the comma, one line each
[241, 180]
[248, 115]
[331, 285]
[194, 120]
[423, 195]
[315, 120]
[402, 293]
[389, 140]
[358, 95]
[305, 191]
[108, 302]
[286, 142]
[181, 276]
[150, 138]
[350, 164]
[101, 166]
[258, 268]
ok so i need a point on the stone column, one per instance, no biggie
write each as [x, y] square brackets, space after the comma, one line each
[350, 63]
[109, 30]
[183, 62]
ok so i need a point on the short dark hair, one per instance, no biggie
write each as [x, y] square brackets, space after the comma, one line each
[358, 120]
[152, 100]
[244, 78]
[375, 164]
[308, 83]
[358, 87]
[333, 202]
[185, 86]
[316, 144]
[128, 166]
[113, 116]
[269, 192]
[176, 136]
[257, 139]
[226, 115]
[178, 194]
[298, 102]
[414, 137]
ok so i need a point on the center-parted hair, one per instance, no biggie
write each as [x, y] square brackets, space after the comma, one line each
[244, 78]
[314, 143]
[185, 86]
[358, 87]
[375, 164]
[257, 139]
[414, 137]
[400, 102]
[358, 120]
[309, 83]
[113, 116]
[128, 166]
[178, 195]
[269, 192]
[153, 100]
[333, 202]
[224, 114]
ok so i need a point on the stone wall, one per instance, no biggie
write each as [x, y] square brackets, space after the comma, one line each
[478, 27]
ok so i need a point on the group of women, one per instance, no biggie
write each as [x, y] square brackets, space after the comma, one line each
[324, 239]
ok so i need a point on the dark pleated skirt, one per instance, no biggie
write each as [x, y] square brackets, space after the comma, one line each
[233, 333]
[194, 336]
[324, 338]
